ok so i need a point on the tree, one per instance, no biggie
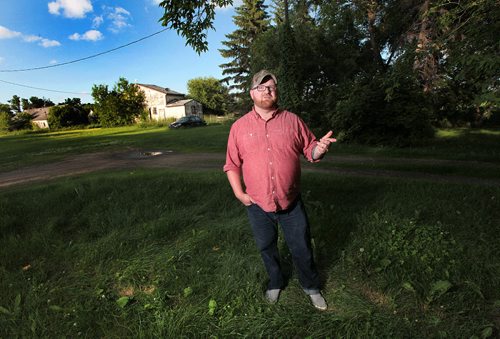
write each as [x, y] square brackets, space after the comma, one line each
[252, 20]
[469, 56]
[120, 106]
[288, 69]
[192, 19]
[408, 63]
[36, 102]
[15, 103]
[210, 93]
[70, 113]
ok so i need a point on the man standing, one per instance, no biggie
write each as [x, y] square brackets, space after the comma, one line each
[265, 146]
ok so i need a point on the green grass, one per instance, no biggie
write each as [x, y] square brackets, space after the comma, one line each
[465, 169]
[144, 253]
[35, 148]
[22, 149]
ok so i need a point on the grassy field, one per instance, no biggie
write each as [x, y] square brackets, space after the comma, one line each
[163, 253]
[18, 150]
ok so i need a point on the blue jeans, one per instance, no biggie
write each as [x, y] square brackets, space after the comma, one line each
[295, 226]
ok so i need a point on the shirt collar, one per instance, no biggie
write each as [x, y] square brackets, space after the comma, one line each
[257, 116]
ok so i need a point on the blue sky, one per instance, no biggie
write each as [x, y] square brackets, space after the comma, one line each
[37, 33]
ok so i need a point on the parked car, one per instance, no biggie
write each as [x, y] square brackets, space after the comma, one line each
[188, 121]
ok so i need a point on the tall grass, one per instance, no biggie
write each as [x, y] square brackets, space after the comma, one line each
[161, 253]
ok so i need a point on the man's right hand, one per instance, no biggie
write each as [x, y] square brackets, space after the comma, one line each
[245, 199]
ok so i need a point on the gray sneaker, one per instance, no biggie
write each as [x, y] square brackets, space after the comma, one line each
[272, 295]
[318, 301]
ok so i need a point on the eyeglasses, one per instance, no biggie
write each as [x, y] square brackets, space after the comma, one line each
[264, 88]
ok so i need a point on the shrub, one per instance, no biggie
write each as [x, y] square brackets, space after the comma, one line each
[67, 115]
[21, 121]
[4, 121]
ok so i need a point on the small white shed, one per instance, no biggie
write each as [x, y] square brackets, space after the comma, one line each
[185, 107]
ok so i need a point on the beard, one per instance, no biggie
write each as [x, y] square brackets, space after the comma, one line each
[267, 102]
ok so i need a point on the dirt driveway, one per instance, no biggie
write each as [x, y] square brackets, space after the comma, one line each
[90, 162]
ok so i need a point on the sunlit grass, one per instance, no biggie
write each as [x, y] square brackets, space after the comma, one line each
[459, 132]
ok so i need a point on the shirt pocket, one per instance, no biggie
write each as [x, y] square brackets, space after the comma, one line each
[282, 139]
[250, 142]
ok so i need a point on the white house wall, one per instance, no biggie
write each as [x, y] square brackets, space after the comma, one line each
[176, 112]
[156, 103]
[194, 108]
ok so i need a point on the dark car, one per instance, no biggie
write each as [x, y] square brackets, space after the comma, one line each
[189, 121]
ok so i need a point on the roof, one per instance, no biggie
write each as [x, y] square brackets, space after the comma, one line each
[165, 90]
[38, 114]
[179, 103]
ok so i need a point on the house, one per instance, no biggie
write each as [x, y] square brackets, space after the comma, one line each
[163, 103]
[40, 116]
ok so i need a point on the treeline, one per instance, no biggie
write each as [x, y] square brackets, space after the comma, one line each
[121, 105]
[376, 71]
[16, 115]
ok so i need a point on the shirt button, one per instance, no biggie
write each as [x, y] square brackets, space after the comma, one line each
[267, 135]
[273, 192]
[268, 149]
[272, 178]
[270, 163]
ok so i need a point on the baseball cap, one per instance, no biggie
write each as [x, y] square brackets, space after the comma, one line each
[258, 77]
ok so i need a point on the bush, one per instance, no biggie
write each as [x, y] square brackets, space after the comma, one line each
[21, 121]
[383, 110]
[4, 121]
[67, 115]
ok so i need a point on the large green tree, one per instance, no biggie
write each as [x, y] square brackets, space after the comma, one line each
[70, 113]
[382, 71]
[120, 106]
[35, 102]
[211, 93]
[192, 19]
[467, 51]
[252, 20]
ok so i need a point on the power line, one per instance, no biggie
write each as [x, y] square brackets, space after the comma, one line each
[43, 89]
[81, 59]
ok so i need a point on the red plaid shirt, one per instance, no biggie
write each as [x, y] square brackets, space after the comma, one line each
[268, 155]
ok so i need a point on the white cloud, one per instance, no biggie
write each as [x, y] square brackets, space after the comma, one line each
[70, 8]
[97, 21]
[156, 2]
[41, 41]
[119, 18]
[49, 43]
[2, 60]
[91, 35]
[53, 62]
[6, 33]
[32, 38]
[121, 10]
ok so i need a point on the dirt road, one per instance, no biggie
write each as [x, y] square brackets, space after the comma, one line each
[90, 162]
